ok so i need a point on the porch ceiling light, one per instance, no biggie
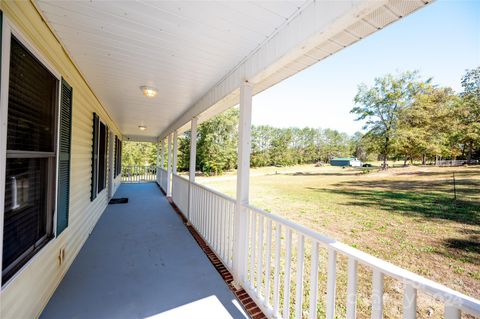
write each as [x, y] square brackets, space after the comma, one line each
[149, 91]
[142, 127]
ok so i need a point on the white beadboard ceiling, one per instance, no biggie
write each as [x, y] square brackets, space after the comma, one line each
[182, 48]
[197, 52]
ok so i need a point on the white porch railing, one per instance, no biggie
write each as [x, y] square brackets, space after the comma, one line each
[282, 255]
[180, 192]
[162, 179]
[212, 216]
[138, 174]
[274, 241]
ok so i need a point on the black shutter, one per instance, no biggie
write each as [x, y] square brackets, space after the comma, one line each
[96, 128]
[64, 157]
[102, 158]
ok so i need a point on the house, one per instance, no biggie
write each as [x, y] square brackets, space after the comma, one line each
[78, 78]
[347, 161]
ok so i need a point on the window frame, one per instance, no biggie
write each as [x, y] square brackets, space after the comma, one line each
[8, 31]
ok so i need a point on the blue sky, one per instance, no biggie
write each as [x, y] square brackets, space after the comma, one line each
[441, 41]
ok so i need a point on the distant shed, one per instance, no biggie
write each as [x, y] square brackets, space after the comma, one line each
[346, 161]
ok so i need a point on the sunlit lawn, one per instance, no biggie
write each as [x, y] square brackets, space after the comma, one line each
[407, 216]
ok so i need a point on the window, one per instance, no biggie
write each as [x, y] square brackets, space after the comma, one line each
[30, 158]
[99, 157]
[118, 156]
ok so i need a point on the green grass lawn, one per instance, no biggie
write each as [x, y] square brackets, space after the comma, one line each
[405, 215]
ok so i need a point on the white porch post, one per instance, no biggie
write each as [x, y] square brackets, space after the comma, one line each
[157, 170]
[162, 155]
[162, 161]
[193, 163]
[111, 143]
[243, 171]
[175, 150]
[169, 165]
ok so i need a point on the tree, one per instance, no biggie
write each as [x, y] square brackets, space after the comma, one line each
[217, 146]
[357, 147]
[280, 147]
[424, 128]
[217, 143]
[468, 111]
[183, 156]
[261, 140]
[380, 106]
[139, 153]
[335, 144]
[308, 138]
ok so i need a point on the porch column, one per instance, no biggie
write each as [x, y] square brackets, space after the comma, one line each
[162, 161]
[175, 150]
[193, 163]
[157, 170]
[158, 154]
[169, 165]
[243, 171]
[162, 155]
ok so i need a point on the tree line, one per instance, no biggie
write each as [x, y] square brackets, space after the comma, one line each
[217, 141]
[406, 118]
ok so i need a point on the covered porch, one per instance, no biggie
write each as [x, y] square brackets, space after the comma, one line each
[147, 72]
[141, 262]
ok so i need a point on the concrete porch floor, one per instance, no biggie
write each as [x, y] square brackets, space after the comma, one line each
[141, 262]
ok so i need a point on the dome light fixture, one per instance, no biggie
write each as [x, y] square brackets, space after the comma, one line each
[142, 127]
[149, 91]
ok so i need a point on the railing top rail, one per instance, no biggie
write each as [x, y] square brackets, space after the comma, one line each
[162, 169]
[225, 197]
[436, 290]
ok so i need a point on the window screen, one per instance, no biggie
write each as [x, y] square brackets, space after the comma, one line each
[31, 103]
[25, 206]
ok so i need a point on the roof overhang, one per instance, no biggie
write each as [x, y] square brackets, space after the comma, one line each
[318, 31]
[199, 53]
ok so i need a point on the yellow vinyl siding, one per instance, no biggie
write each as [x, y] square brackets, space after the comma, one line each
[27, 293]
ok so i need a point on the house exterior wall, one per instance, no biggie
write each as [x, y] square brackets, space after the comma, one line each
[26, 294]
